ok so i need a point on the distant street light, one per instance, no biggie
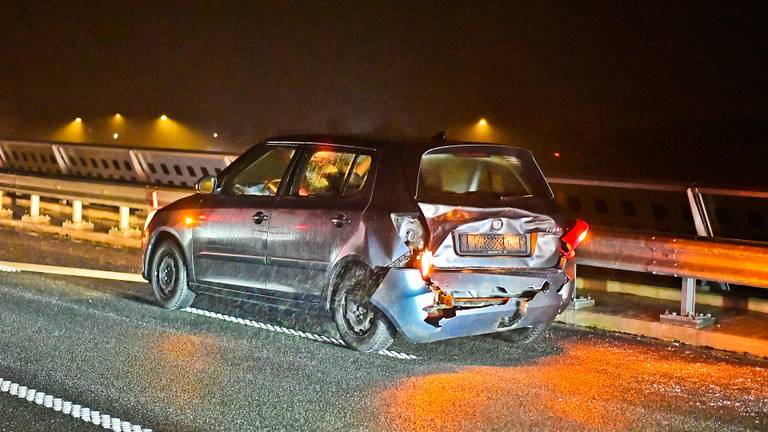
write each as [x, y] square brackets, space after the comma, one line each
[164, 117]
[482, 122]
[556, 154]
[78, 120]
[115, 136]
[215, 135]
[118, 116]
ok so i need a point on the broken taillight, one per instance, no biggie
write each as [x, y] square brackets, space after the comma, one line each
[425, 263]
[573, 238]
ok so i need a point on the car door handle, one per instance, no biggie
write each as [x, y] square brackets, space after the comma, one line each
[259, 217]
[340, 220]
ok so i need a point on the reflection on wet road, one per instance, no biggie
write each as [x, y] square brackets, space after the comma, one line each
[594, 384]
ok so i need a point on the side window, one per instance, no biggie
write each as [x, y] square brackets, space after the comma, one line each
[263, 176]
[358, 175]
[324, 173]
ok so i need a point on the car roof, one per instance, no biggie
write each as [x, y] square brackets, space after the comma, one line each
[365, 141]
[347, 140]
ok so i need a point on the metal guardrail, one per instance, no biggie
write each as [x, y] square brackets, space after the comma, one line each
[710, 259]
[728, 261]
[109, 163]
[104, 193]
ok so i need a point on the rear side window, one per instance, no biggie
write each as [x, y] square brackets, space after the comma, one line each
[488, 174]
[325, 173]
[359, 174]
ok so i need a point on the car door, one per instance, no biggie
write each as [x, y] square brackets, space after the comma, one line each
[318, 214]
[230, 239]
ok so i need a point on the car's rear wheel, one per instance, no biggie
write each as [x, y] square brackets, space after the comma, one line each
[169, 277]
[362, 325]
[526, 335]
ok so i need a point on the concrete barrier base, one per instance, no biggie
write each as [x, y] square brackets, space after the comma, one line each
[97, 237]
[738, 332]
[37, 220]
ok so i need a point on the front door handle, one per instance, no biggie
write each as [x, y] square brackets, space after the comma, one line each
[340, 220]
[259, 217]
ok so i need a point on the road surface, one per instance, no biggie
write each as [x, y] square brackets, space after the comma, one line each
[104, 345]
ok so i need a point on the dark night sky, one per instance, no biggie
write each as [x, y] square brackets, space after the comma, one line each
[673, 90]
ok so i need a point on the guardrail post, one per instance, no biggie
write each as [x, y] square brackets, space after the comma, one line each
[688, 316]
[77, 222]
[4, 213]
[688, 297]
[124, 224]
[34, 215]
[34, 206]
[125, 214]
[576, 301]
[77, 211]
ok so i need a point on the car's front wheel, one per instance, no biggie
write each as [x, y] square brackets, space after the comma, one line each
[362, 325]
[169, 277]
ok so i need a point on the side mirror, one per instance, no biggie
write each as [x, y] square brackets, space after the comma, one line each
[206, 184]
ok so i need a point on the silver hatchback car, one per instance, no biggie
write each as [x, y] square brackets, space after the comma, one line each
[433, 239]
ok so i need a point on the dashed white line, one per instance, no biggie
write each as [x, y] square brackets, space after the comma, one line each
[85, 414]
[133, 277]
[290, 331]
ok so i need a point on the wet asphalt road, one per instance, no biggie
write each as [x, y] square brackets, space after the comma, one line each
[103, 344]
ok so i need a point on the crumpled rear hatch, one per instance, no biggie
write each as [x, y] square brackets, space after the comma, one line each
[488, 206]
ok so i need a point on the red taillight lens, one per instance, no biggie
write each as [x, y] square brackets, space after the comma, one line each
[573, 238]
[425, 263]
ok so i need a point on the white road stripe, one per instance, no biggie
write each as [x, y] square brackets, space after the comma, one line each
[133, 277]
[292, 332]
[71, 271]
[85, 414]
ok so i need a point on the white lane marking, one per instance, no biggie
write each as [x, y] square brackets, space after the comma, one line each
[71, 271]
[9, 269]
[133, 277]
[85, 414]
[289, 331]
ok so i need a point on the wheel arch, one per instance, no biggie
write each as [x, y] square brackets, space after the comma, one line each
[158, 237]
[337, 275]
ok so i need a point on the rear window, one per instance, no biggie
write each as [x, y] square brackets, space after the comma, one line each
[474, 173]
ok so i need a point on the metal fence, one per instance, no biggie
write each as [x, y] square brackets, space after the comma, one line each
[121, 164]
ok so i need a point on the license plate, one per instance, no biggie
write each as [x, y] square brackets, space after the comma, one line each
[493, 244]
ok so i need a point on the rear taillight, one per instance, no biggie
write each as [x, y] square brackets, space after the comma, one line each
[425, 263]
[573, 238]
[411, 231]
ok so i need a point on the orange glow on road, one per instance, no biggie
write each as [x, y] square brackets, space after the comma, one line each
[592, 385]
[180, 369]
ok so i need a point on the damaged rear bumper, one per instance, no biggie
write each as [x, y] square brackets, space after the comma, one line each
[410, 303]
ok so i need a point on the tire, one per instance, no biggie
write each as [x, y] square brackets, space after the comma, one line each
[362, 326]
[169, 277]
[526, 335]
